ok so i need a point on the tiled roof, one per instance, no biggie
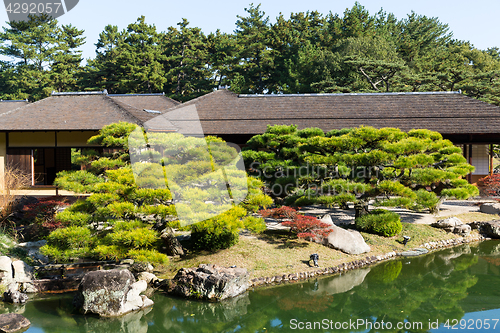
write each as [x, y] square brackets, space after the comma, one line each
[6, 106]
[81, 111]
[223, 112]
[158, 102]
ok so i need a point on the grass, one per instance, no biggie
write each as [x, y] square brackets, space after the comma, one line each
[271, 254]
[477, 216]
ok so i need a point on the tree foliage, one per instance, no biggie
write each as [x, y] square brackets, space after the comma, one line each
[356, 51]
[415, 170]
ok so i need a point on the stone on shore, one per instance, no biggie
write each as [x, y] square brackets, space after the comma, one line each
[210, 282]
[111, 293]
[348, 241]
[490, 229]
[490, 208]
[13, 322]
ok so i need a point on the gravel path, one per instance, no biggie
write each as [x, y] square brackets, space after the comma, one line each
[448, 208]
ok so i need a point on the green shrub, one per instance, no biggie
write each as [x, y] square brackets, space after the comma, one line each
[426, 199]
[137, 238]
[254, 224]
[102, 199]
[147, 196]
[160, 210]
[145, 255]
[81, 206]
[69, 218]
[220, 232]
[70, 238]
[109, 252]
[78, 181]
[381, 222]
[121, 209]
[254, 202]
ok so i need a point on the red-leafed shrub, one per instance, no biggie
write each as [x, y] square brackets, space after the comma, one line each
[307, 227]
[284, 212]
[38, 217]
[490, 185]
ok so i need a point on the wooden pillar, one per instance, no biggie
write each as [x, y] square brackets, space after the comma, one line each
[469, 155]
[491, 159]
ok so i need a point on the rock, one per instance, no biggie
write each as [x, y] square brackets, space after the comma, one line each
[327, 219]
[491, 228]
[139, 267]
[33, 249]
[13, 322]
[172, 244]
[150, 278]
[210, 282]
[12, 295]
[348, 241]
[28, 287]
[462, 229]
[414, 252]
[22, 271]
[6, 275]
[448, 224]
[111, 293]
[490, 208]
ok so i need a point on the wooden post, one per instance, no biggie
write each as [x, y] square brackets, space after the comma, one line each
[491, 159]
[469, 158]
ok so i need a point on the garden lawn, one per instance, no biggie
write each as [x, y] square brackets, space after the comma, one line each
[272, 253]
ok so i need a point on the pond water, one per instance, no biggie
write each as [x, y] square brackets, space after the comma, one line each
[445, 291]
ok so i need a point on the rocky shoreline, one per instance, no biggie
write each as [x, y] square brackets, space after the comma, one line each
[355, 264]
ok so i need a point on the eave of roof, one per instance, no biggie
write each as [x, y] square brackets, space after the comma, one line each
[80, 111]
[223, 112]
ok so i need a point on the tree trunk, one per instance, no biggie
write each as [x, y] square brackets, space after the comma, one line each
[361, 208]
[174, 248]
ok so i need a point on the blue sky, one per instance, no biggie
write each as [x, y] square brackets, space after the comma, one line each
[475, 21]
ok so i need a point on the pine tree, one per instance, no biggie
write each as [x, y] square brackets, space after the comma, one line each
[186, 62]
[255, 61]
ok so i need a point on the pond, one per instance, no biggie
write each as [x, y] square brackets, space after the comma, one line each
[456, 288]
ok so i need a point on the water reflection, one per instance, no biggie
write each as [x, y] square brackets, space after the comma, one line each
[441, 286]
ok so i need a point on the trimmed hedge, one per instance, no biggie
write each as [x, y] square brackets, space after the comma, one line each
[381, 222]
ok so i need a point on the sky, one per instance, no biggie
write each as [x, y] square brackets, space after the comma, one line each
[475, 21]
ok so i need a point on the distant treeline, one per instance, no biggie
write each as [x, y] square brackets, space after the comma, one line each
[307, 52]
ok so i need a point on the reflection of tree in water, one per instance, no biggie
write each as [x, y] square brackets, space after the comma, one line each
[428, 289]
[420, 289]
[419, 295]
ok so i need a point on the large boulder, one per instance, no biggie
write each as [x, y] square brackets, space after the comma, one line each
[22, 271]
[491, 228]
[210, 282]
[462, 230]
[6, 275]
[13, 322]
[348, 241]
[111, 293]
[448, 224]
[490, 208]
[453, 224]
[13, 295]
[16, 275]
